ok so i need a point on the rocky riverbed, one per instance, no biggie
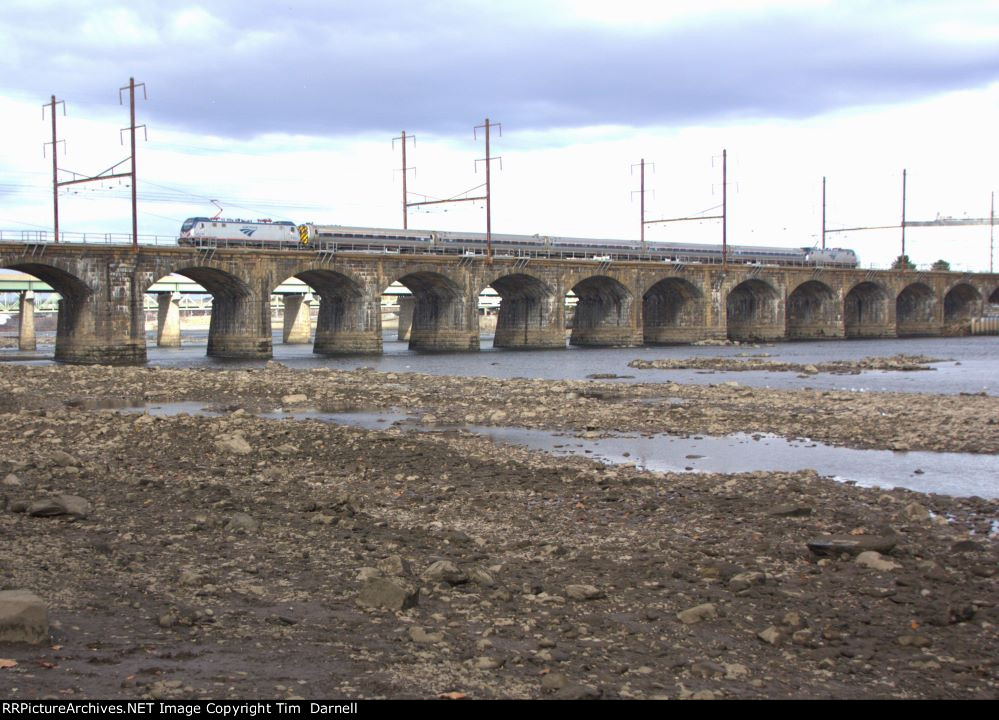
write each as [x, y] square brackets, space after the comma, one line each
[237, 556]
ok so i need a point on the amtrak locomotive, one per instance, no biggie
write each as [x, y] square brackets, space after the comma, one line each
[284, 234]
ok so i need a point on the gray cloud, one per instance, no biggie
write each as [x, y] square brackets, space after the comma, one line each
[323, 68]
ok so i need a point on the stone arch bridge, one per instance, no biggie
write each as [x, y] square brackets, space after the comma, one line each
[101, 317]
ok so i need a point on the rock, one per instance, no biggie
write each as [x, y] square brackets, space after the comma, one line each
[488, 663]
[445, 571]
[578, 692]
[64, 459]
[554, 681]
[735, 671]
[389, 593]
[914, 512]
[916, 641]
[236, 445]
[241, 522]
[707, 669]
[810, 370]
[395, 566]
[963, 546]
[791, 511]
[583, 592]
[480, 577]
[24, 617]
[873, 560]
[12, 480]
[498, 416]
[772, 635]
[60, 505]
[422, 637]
[296, 399]
[744, 581]
[698, 613]
[369, 573]
[851, 544]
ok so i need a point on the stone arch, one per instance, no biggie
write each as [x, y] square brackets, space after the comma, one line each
[605, 314]
[74, 320]
[865, 311]
[240, 325]
[673, 311]
[445, 319]
[753, 311]
[994, 297]
[813, 312]
[531, 314]
[916, 310]
[961, 303]
[349, 318]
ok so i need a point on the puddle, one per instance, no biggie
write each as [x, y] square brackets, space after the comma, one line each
[959, 474]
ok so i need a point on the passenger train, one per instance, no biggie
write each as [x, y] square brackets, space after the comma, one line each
[217, 232]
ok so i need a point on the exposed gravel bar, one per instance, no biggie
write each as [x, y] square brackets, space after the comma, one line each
[235, 556]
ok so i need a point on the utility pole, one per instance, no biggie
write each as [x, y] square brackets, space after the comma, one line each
[132, 128]
[641, 193]
[724, 210]
[642, 203]
[110, 173]
[55, 165]
[405, 169]
[903, 261]
[823, 212]
[992, 225]
[488, 159]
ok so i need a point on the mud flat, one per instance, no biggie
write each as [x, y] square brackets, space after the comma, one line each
[237, 556]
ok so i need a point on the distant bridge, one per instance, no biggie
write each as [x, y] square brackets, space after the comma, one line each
[102, 288]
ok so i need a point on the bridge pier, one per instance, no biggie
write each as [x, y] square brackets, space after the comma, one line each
[101, 314]
[813, 312]
[297, 321]
[531, 314]
[445, 314]
[606, 315]
[530, 323]
[444, 326]
[675, 312]
[168, 319]
[240, 327]
[917, 312]
[348, 325]
[867, 312]
[26, 329]
[754, 312]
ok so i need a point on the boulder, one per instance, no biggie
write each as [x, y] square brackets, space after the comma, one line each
[60, 505]
[850, 544]
[389, 593]
[23, 617]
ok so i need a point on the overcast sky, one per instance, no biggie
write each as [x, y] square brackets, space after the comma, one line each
[288, 109]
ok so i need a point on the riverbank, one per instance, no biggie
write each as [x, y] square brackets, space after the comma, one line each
[236, 556]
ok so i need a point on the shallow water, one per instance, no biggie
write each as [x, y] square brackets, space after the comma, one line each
[961, 474]
[970, 362]
[971, 365]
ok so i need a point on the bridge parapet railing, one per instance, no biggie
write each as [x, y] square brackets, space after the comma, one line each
[45, 237]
